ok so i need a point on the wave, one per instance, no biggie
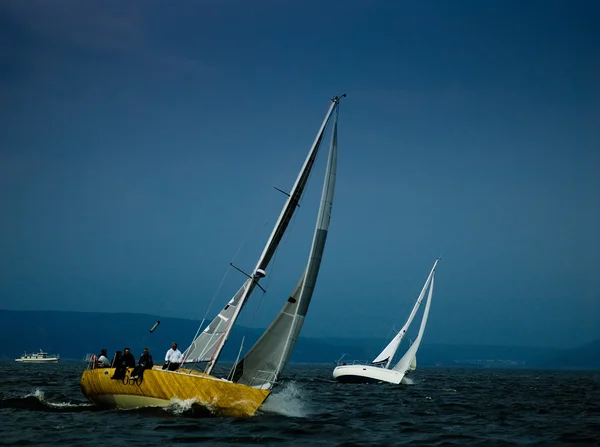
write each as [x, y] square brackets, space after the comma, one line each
[287, 400]
[36, 401]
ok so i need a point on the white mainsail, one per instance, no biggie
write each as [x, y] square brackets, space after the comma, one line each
[404, 364]
[263, 363]
[207, 346]
[390, 350]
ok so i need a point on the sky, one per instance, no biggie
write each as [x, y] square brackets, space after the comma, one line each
[140, 142]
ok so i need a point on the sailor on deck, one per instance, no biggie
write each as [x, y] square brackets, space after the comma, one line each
[103, 361]
[173, 358]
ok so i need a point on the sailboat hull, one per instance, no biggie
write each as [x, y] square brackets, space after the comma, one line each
[366, 374]
[217, 397]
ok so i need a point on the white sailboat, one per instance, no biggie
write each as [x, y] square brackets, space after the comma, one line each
[380, 370]
[252, 378]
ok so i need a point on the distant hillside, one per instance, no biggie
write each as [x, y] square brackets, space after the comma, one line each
[73, 334]
[582, 357]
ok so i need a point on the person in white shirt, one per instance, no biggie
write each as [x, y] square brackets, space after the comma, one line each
[103, 361]
[173, 358]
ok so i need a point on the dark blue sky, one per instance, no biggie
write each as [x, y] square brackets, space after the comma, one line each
[140, 142]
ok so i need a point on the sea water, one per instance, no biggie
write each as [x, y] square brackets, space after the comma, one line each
[43, 405]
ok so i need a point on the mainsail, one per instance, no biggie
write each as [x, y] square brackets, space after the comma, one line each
[404, 364]
[204, 345]
[263, 363]
[207, 346]
[388, 352]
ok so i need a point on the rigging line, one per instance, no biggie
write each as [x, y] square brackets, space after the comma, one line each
[284, 241]
[273, 262]
[399, 317]
[258, 304]
[405, 304]
[264, 290]
[227, 269]
[212, 301]
[246, 237]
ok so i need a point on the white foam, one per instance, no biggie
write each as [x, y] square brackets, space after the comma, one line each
[39, 395]
[407, 381]
[288, 400]
[179, 406]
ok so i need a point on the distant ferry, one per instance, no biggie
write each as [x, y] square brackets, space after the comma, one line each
[39, 357]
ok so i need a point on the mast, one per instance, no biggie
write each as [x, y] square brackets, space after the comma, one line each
[261, 365]
[275, 238]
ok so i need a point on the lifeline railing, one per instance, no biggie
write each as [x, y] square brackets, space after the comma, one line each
[265, 377]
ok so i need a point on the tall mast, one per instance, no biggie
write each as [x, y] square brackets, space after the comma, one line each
[278, 230]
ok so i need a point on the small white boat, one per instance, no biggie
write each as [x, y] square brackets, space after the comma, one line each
[379, 370]
[38, 357]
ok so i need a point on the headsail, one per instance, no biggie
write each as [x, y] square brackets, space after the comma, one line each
[413, 364]
[404, 364]
[209, 344]
[263, 363]
[204, 345]
[388, 352]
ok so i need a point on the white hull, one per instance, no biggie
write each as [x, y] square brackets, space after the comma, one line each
[38, 357]
[366, 374]
[357, 373]
[46, 360]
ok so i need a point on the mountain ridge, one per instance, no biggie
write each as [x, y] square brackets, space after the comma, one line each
[73, 334]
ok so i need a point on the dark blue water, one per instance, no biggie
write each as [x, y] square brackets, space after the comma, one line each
[42, 405]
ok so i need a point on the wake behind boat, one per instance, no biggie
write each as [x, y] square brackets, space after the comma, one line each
[38, 357]
[379, 370]
[250, 381]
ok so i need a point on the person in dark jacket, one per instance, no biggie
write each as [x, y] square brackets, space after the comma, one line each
[145, 362]
[118, 365]
[122, 362]
[128, 360]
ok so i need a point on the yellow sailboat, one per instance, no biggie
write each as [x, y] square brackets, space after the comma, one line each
[162, 388]
[254, 375]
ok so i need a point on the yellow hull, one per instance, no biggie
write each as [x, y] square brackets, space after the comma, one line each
[161, 388]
